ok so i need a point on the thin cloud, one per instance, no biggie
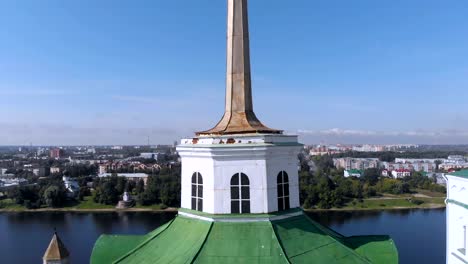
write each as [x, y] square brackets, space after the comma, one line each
[413, 133]
[57, 134]
[34, 92]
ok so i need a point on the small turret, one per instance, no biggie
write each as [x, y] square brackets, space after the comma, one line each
[56, 253]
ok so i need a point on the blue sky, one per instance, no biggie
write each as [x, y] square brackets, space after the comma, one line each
[115, 72]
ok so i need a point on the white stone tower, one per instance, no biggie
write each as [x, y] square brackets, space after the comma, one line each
[240, 165]
[457, 217]
[243, 177]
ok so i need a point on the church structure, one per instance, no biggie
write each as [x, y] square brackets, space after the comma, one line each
[457, 217]
[240, 192]
[56, 252]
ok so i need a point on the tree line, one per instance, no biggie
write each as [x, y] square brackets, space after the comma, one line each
[326, 187]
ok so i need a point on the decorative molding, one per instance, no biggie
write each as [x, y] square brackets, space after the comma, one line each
[246, 219]
[459, 258]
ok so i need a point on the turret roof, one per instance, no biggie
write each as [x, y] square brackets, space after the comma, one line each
[56, 249]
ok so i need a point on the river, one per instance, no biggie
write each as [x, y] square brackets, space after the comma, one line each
[418, 234]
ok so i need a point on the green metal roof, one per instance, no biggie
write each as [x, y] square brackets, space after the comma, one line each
[457, 203]
[354, 171]
[295, 239]
[462, 174]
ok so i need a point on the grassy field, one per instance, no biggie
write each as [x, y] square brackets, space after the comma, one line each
[419, 199]
[393, 202]
[8, 204]
[88, 204]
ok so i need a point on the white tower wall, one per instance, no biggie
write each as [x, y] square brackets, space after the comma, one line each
[457, 220]
[260, 157]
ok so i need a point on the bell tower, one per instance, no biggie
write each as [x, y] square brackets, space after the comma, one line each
[240, 166]
[240, 193]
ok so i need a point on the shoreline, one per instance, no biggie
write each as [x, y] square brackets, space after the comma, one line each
[435, 206]
[175, 210]
[106, 210]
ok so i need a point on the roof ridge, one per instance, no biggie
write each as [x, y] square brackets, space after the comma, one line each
[280, 243]
[336, 240]
[203, 244]
[144, 242]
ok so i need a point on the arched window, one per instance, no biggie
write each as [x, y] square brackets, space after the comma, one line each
[283, 191]
[197, 191]
[240, 194]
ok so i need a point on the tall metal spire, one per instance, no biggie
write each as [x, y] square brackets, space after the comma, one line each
[239, 117]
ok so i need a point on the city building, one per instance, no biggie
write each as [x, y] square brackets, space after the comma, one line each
[56, 153]
[369, 148]
[401, 173]
[72, 187]
[352, 173]
[455, 159]
[6, 183]
[40, 172]
[412, 165]
[452, 166]
[457, 217]
[102, 168]
[91, 151]
[404, 160]
[356, 163]
[150, 155]
[240, 193]
[54, 170]
[130, 176]
[36, 170]
[321, 150]
[41, 151]
[7, 175]
[56, 252]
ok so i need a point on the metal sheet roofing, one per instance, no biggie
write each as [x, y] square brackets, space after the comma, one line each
[462, 174]
[292, 240]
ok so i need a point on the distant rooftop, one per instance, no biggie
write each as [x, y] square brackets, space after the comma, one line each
[462, 174]
[354, 171]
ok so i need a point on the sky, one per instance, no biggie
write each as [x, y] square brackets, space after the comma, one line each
[115, 72]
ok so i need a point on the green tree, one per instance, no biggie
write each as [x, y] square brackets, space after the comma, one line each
[140, 187]
[356, 189]
[54, 196]
[371, 175]
[106, 193]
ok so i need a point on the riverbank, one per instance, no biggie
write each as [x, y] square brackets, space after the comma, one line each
[391, 203]
[174, 210]
[360, 207]
[24, 210]
[418, 200]
[87, 205]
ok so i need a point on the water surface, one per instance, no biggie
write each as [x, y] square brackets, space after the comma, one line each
[24, 237]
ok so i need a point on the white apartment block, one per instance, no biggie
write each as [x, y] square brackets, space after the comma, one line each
[356, 163]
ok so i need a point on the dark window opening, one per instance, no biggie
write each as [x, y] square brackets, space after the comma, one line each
[197, 191]
[240, 194]
[283, 191]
